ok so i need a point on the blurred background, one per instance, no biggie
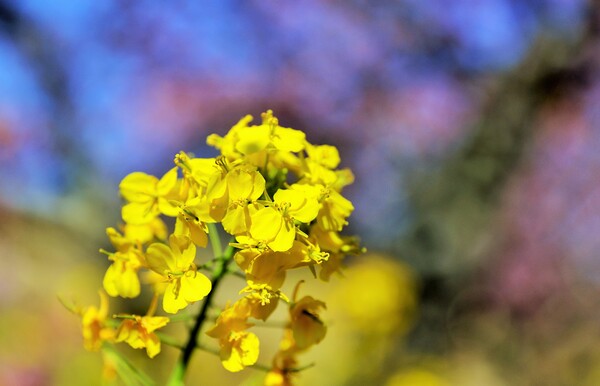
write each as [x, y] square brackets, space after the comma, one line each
[472, 127]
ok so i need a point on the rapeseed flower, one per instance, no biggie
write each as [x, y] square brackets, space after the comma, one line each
[277, 196]
[94, 325]
[138, 332]
[176, 264]
[121, 277]
[239, 348]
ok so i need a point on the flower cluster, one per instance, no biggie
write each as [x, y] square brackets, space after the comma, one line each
[277, 196]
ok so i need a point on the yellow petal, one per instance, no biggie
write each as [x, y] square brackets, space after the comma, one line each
[152, 323]
[203, 169]
[138, 187]
[265, 224]
[287, 139]
[198, 235]
[109, 281]
[121, 280]
[249, 348]
[239, 184]
[334, 212]
[194, 286]
[160, 259]
[134, 339]
[240, 352]
[168, 207]
[124, 330]
[167, 182]
[139, 213]
[253, 139]
[308, 212]
[128, 284]
[326, 155]
[237, 220]
[259, 186]
[184, 251]
[217, 187]
[172, 300]
[152, 344]
[303, 205]
[307, 327]
[285, 238]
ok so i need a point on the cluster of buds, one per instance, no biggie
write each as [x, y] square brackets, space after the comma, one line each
[278, 197]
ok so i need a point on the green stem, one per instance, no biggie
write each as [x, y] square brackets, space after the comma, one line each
[219, 272]
[215, 240]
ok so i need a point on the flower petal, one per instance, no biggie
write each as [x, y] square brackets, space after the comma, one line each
[172, 299]
[160, 259]
[194, 286]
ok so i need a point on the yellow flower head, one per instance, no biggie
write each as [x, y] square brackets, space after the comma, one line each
[189, 224]
[138, 332]
[275, 224]
[144, 233]
[306, 325]
[239, 351]
[277, 196]
[94, 327]
[239, 348]
[176, 264]
[147, 196]
[121, 278]
[265, 144]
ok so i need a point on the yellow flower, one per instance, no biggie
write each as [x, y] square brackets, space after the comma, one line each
[147, 196]
[334, 211]
[246, 140]
[211, 206]
[176, 264]
[144, 233]
[244, 186]
[307, 326]
[275, 226]
[268, 146]
[257, 308]
[256, 138]
[264, 293]
[121, 277]
[227, 144]
[318, 167]
[337, 248]
[239, 348]
[188, 224]
[280, 198]
[198, 170]
[138, 332]
[94, 327]
[266, 266]
[325, 155]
